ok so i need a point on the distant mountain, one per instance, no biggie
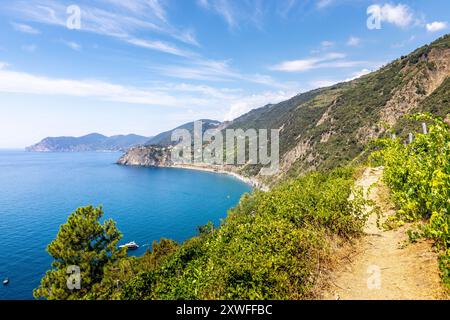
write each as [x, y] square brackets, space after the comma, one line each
[90, 142]
[164, 138]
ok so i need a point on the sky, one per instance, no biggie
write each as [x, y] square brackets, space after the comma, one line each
[69, 68]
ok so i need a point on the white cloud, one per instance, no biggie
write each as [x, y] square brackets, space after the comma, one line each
[136, 16]
[324, 3]
[72, 45]
[245, 104]
[322, 83]
[198, 70]
[330, 60]
[226, 102]
[327, 44]
[353, 41]
[203, 3]
[20, 82]
[358, 74]
[400, 15]
[222, 8]
[159, 46]
[140, 7]
[25, 28]
[157, 8]
[285, 7]
[212, 70]
[236, 12]
[436, 26]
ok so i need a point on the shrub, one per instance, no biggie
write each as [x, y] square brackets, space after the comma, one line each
[271, 246]
[419, 177]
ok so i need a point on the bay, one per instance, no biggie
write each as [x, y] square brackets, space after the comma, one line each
[38, 191]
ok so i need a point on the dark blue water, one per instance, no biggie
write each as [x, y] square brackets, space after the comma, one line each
[38, 191]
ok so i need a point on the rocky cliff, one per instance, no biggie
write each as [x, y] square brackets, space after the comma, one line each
[147, 156]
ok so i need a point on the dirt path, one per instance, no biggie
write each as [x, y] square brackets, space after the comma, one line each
[383, 265]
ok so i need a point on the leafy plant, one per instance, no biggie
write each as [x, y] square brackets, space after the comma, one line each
[419, 177]
[271, 246]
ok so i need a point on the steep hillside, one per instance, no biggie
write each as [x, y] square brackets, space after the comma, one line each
[331, 126]
[90, 142]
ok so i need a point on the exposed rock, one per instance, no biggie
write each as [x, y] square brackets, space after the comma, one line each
[420, 83]
[156, 156]
[147, 156]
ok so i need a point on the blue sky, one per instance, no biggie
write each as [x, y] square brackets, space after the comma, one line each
[143, 66]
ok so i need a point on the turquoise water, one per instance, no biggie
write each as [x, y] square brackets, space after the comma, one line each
[39, 190]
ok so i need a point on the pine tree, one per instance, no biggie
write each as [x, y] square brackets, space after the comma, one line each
[83, 244]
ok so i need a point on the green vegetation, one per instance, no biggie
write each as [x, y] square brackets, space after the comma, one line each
[419, 177]
[85, 243]
[271, 246]
[274, 245]
[436, 104]
[336, 122]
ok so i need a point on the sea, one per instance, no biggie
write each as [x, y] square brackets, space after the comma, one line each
[38, 191]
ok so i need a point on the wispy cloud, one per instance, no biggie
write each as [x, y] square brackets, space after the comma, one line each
[436, 26]
[321, 83]
[358, 74]
[235, 13]
[329, 60]
[327, 44]
[324, 3]
[221, 71]
[124, 25]
[285, 7]
[353, 41]
[153, 11]
[228, 102]
[73, 45]
[160, 46]
[221, 7]
[158, 9]
[21, 27]
[21, 82]
[200, 69]
[247, 103]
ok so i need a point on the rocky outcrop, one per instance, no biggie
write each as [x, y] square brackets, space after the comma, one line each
[147, 156]
[157, 156]
[420, 83]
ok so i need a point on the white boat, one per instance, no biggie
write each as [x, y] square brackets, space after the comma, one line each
[5, 282]
[130, 245]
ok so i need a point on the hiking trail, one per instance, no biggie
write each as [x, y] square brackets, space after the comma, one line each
[383, 264]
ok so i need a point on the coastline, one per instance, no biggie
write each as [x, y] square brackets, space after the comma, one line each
[159, 157]
[254, 183]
